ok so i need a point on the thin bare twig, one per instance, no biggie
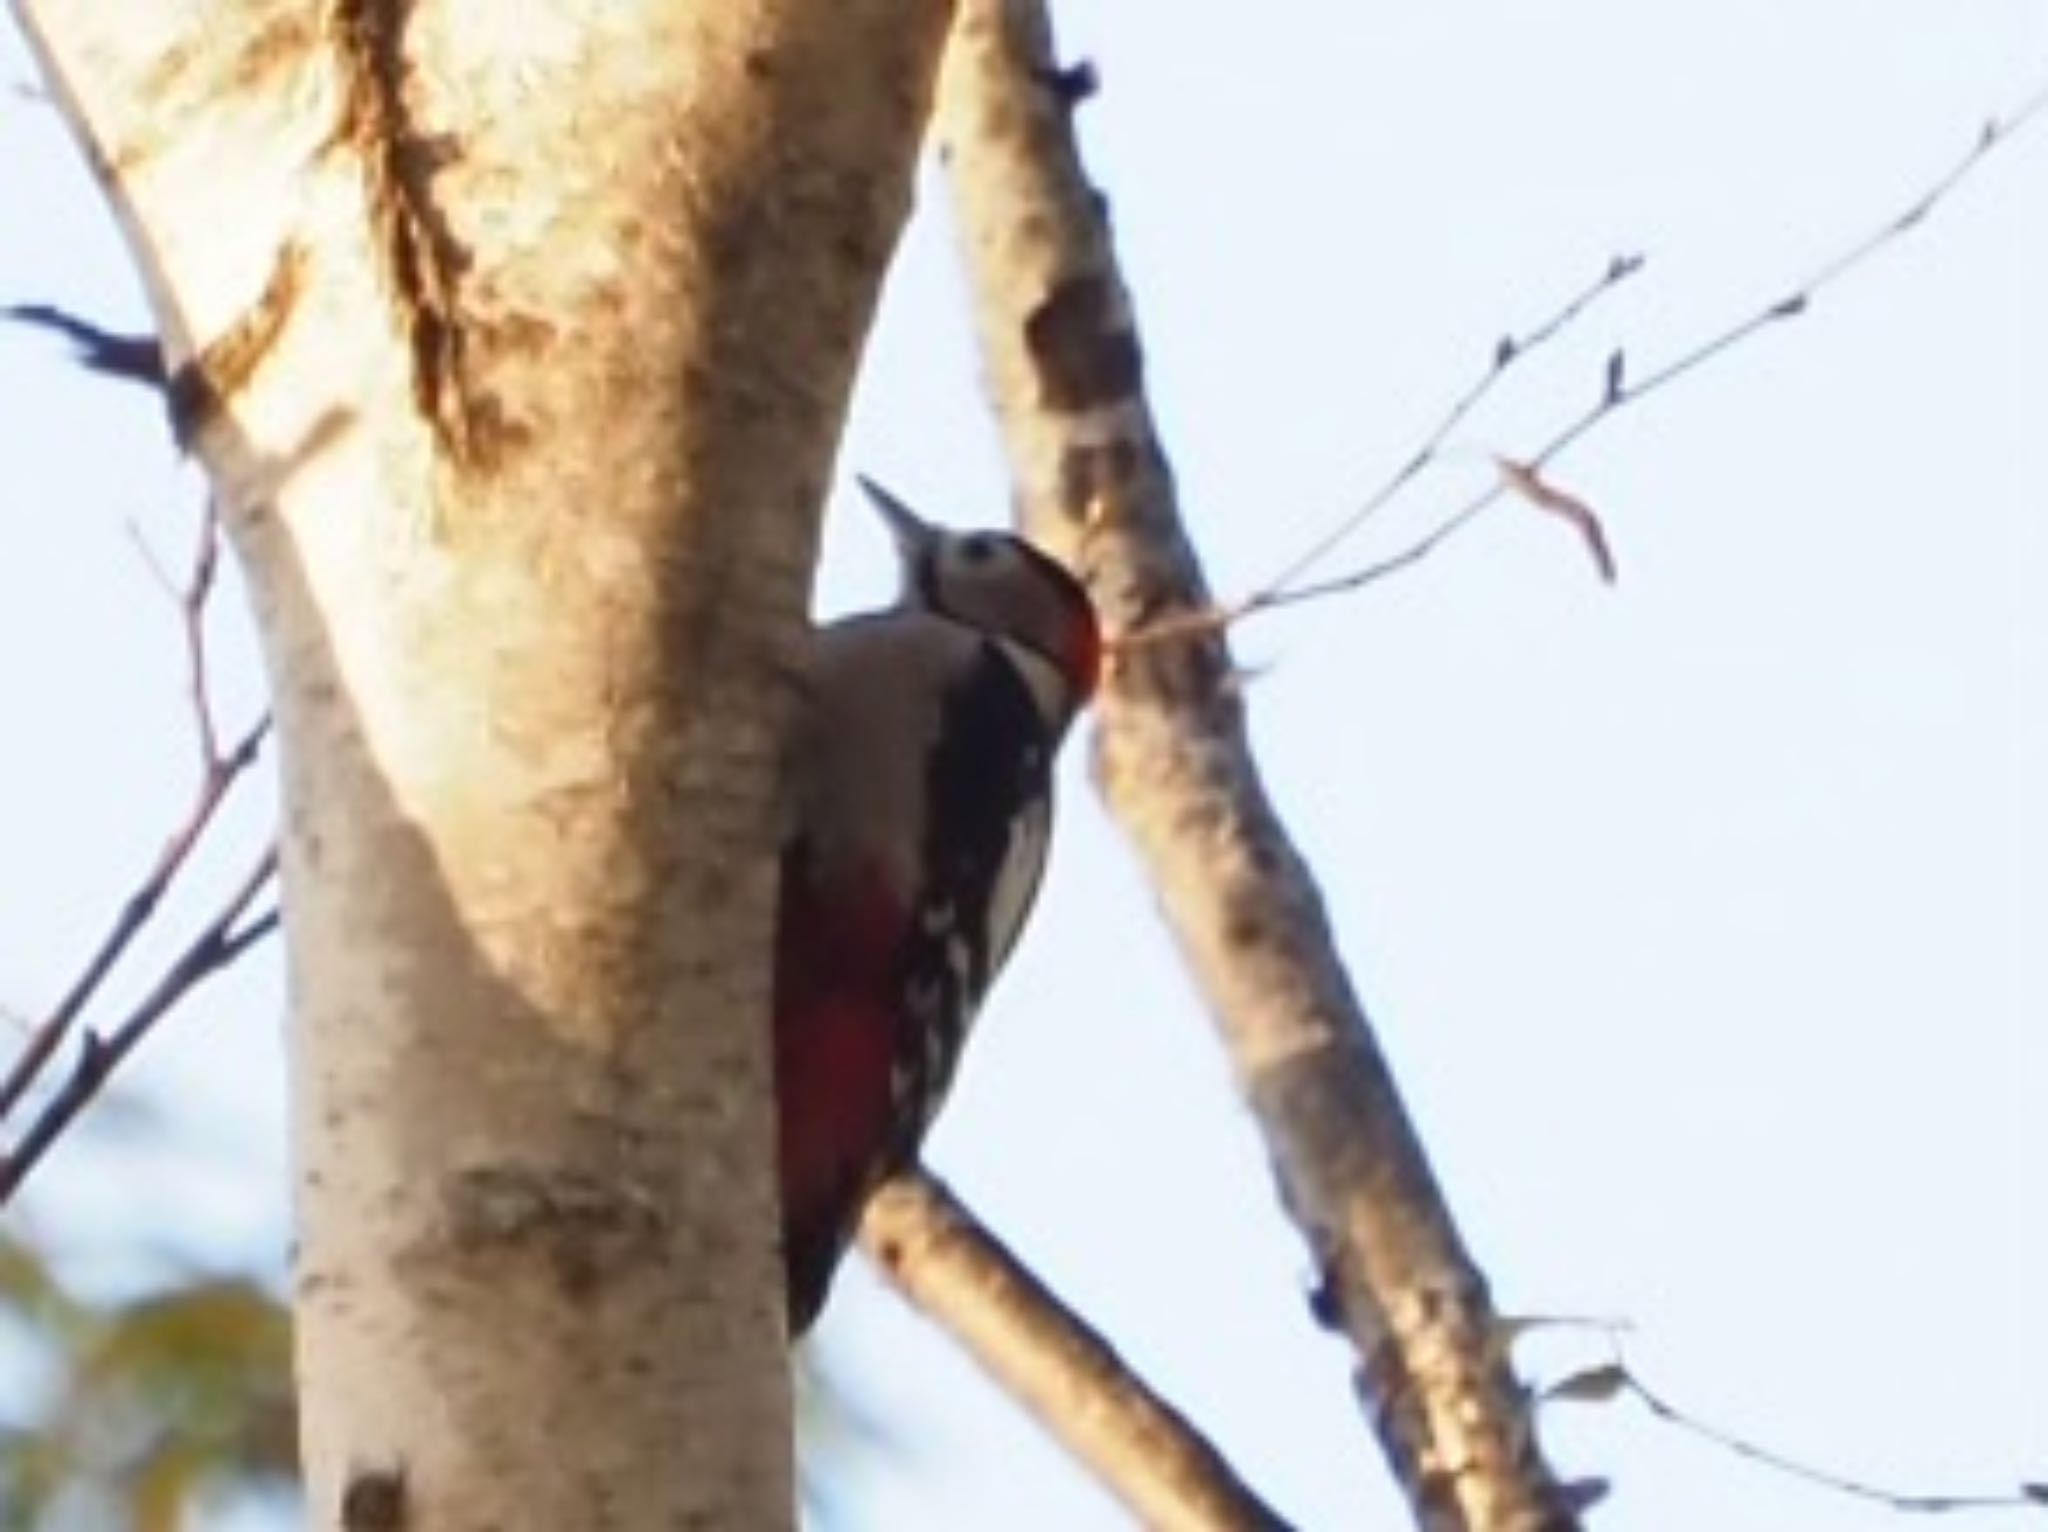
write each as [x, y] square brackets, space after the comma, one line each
[944, 1260]
[1619, 392]
[134, 915]
[191, 597]
[1285, 588]
[223, 939]
[138, 359]
[1616, 1379]
[1511, 349]
[220, 771]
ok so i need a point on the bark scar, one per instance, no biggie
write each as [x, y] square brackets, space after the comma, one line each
[374, 1501]
[422, 260]
[589, 1226]
[1082, 345]
[197, 392]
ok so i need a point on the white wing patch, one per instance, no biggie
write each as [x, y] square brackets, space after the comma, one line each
[1017, 880]
[926, 1073]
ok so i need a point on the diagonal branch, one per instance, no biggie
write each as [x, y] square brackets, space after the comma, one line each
[1175, 766]
[948, 1264]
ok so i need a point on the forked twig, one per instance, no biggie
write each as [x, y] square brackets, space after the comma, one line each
[1510, 350]
[225, 936]
[223, 939]
[1618, 392]
[220, 771]
[134, 915]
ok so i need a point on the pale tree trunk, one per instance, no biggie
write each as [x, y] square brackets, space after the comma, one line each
[515, 340]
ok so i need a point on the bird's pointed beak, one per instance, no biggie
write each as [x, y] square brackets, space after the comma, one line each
[913, 534]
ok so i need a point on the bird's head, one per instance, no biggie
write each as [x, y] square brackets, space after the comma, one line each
[997, 584]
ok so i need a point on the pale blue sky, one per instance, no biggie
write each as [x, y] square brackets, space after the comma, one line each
[1701, 916]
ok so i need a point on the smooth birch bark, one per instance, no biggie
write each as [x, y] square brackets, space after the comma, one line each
[515, 339]
[1175, 766]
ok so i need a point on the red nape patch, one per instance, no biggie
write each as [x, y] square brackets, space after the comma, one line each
[1083, 659]
[836, 970]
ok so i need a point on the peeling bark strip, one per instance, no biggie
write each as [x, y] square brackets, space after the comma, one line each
[196, 393]
[422, 260]
[1176, 768]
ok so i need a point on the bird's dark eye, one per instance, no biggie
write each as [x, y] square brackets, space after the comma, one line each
[977, 549]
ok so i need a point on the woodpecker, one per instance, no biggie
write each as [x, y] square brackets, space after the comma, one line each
[920, 806]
